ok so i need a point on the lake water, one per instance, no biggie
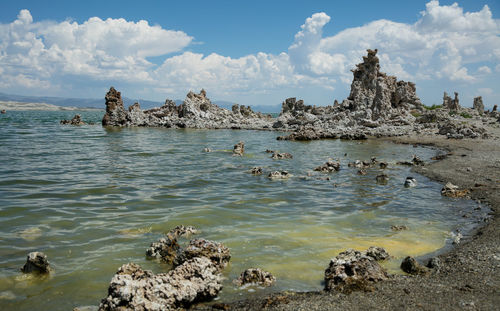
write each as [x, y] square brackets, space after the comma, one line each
[93, 199]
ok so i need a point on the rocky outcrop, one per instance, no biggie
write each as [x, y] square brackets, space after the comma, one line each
[255, 276]
[451, 104]
[216, 252]
[36, 262]
[459, 130]
[116, 115]
[257, 170]
[196, 111]
[478, 104]
[167, 248]
[77, 120]
[354, 270]
[135, 289]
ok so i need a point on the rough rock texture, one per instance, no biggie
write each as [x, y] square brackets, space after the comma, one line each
[459, 130]
[279, 156]
[354, 270]
[116, 115]
[216, 252]
[329, 166]
[77, 120]
[279, 175]
[36, 262]
[196, 111]
[453, 191]
[410, 182]
[399, 227]
[239, 149]
[411, 266]
[255, 276]
[257, 170]
[165, 249]
[451, 104]
[135, 289]
[478, 104]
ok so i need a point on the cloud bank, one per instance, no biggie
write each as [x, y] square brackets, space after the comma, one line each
[446, 47]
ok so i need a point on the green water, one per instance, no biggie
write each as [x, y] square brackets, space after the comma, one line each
[93, 199]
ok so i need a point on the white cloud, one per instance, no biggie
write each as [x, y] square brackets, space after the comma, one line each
[444, 46]
[485, 91]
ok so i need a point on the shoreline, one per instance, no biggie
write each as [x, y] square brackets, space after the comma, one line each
[469, 277]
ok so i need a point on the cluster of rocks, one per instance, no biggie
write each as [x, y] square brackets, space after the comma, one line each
[196, 111]
[255, 276]
[76, 120]
[453, 191]
[329, 166]
[459, 130]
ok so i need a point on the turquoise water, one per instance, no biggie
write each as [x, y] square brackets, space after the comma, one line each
[93, 199]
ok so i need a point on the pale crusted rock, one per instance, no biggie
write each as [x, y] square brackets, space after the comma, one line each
[207, 149]
[36, 262]
[478, 104]
[76, 120]
[135, 289]
[329, 166]
[255, 276]
[216, 252]
[283, 155]
[279, 175]
[239, 149]
[257, 170]
[451, 104]
[410, 182]
[459, 130]
[453, 191]
[165, 249]
[354, 270]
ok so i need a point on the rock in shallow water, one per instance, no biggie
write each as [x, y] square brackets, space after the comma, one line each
[255, 276]
[410, 182]
[279, 175]
[36, 262]
[77, 120]
[216, 252]
[329, 166]
[354, 270]
[239, 149]
[135, 289]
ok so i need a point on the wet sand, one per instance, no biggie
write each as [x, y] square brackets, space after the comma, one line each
[470, 275]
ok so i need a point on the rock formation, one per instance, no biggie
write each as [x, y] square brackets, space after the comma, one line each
[196, 111]
[329, 166]
[257, 170]
[283, 155]
[410, 182]
[239, 149]
[135, 289]
[478, 104]
[451, 104]
[165, 249]
[216, 252]
[36, 262]
[279, 175]
[355, 270]
[77, 120]
[255, 276]
[459, 130]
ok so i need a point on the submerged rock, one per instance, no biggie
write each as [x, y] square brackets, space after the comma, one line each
[382, 178]
[216, 252]
[257, 170]
[279, 175]
[181, 230]
[255, 276]
[207, 150]
[452, 191]
[329, 166]
[383, 165]
[410, 182]
[239, 149]
[77, 120]
[411, 266]
[36, 262]
[135, 289]
[284, 155]
[399, 227]
[417, 161]
[354, 270]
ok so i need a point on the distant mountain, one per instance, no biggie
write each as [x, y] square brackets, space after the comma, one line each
[99, 102]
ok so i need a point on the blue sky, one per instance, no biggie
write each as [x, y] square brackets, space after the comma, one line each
[247, 52]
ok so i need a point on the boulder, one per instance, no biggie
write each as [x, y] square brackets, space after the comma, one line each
[36, 262]
[216, 252]
[255, 276]
[354, 270]
[411, 266]
[132, 288]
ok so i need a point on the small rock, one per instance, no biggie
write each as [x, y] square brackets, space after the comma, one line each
[382, 178]
[411, 266]
[452, 191]
[361, 172]
[434, 263]
[329, 166]
[279, 175]
[77, 120]
[255, 276]
[283, 155]
[269, 151]
[36, 262]
[239, 149]
[257, 170]
[383, 165]
[399, 227]
[417, 161]
[207, 150]
[410, 182]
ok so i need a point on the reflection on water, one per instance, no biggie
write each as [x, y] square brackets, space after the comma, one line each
[93, 199]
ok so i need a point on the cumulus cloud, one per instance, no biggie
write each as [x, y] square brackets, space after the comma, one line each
[444, 44]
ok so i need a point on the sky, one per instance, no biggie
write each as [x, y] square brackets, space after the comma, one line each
[249, 52]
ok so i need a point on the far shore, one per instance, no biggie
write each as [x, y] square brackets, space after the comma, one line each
[17, 106]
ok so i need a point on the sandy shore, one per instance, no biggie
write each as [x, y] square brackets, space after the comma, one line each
[470, 275]
[15, 106]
